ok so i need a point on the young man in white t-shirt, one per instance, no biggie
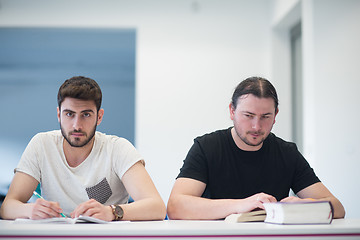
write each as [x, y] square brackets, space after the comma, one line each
[82, 171]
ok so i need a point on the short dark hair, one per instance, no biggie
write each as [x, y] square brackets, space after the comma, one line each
[80, 87]
[257, 86]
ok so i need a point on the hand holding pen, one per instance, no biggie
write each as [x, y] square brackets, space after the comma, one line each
[45, 209]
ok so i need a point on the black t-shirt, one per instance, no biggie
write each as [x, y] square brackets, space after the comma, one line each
[231, 173]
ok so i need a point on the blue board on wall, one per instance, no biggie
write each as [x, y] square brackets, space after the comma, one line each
[34, 62]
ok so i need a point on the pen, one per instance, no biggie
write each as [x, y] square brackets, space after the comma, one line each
[39, 196]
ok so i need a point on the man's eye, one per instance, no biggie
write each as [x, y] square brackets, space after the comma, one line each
[86, 115]
[68, 114]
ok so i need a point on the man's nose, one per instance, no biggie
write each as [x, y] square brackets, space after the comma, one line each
[77, 123]
[256, 125]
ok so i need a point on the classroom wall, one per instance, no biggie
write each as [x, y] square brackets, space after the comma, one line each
[191, 55]
[190, 62]
[336, 37]
[331, 56]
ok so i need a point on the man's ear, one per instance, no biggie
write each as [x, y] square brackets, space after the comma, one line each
[232, 110]
[100, 116]
[58, 114]
[276, 112]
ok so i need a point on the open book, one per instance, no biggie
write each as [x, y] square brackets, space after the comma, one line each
[299, 212]
[253, 216]
[80, 219]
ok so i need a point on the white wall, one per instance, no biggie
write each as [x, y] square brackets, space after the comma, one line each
[337, 98]
[285, 14]
[331, 57]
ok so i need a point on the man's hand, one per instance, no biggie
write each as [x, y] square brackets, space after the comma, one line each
[93, 208]
[255, 202]
[45, 209]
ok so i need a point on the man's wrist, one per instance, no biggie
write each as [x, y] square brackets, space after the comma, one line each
[112, 218]
[117, 211]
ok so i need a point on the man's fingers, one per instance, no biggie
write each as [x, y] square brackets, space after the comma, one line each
[83, 208]
[46, 209]
[265, 198]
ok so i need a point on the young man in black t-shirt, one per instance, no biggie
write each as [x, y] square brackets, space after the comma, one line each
[238, 169]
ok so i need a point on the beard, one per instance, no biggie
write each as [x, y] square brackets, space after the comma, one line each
[246, 140]
[76, 142]
[261, 136]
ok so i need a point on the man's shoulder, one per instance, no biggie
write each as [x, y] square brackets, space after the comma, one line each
[107, 137]
[218, 134]
[54, 134]
[104, 138]
[273, 139]
[212, 141]
[44, 140]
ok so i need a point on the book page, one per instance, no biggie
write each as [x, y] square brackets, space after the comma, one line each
[62, 220]
[253, 216]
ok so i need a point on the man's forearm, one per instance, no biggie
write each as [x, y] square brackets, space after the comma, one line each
[145, 209]
[339, 211]
[12, 209]
[191, 207]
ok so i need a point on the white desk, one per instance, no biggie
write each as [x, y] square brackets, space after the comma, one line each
[339, 229]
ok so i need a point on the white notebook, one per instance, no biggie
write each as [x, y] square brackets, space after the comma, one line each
[80, 219]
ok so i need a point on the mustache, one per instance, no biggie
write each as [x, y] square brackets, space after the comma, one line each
[77, 131]
[254, 132]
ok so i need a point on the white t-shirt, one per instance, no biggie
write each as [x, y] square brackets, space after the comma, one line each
[98, 177]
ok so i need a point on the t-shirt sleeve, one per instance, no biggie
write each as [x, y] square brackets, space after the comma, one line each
[125, 156]
[304, 175]
[30, 160]
[195, 164]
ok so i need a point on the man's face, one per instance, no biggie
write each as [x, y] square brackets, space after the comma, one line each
[78, 121]
[253, 120]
